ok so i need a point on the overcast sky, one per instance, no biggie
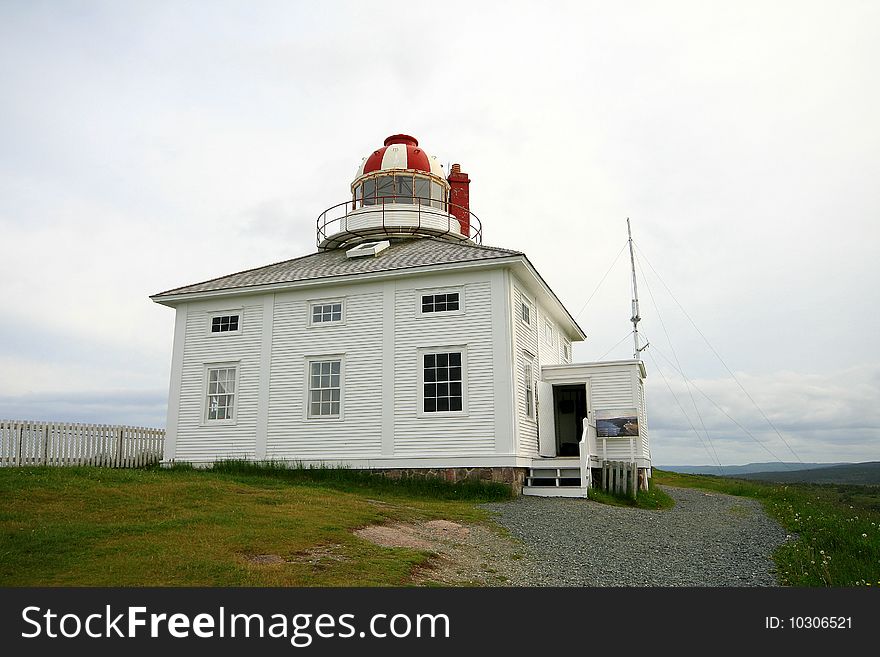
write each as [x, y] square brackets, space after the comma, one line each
[149, 145]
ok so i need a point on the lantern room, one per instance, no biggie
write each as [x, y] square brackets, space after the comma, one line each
[401, 191]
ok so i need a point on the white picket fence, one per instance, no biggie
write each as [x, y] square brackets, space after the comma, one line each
[64, 444]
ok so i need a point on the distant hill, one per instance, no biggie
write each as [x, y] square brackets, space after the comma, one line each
[848, 473]
[737, 470]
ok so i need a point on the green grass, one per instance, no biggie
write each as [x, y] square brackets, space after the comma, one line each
[184, 527]
[835, 529]
[654, 498]
[350, 480]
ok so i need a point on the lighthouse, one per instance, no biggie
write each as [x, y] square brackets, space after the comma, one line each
[403, 344]
[400, 191]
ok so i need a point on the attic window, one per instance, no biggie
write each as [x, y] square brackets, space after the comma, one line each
[367, 249]
[224, 324]
[439, 303]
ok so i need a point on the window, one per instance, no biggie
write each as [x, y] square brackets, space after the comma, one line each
[221, 393]
[548, 332]
[529, 390]
[404, 185]
[438, 195]
[325, 388]
[440, 303]
[442, 382]
[224, 323]
[385, 189]
[423, 191]
[566, 351]
[526, 313]
[370, 191]
[324, 313]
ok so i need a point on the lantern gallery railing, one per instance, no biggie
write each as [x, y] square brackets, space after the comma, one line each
[345, 222]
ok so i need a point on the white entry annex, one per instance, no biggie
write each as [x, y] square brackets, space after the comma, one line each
[402, 344]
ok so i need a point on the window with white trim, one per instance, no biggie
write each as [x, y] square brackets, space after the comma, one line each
[548, 332]
[325, 388]
[525, 313]
[225, 323]
[440, 302]
[442, 382]
[325, 313]
[566, 351]
[220, 399]
[529, 388]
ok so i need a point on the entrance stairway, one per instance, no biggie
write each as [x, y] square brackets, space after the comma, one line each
[555, 480]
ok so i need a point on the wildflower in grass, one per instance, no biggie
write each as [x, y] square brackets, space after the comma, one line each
[864, 536]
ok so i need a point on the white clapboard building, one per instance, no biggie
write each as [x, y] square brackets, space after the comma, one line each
[402, 344]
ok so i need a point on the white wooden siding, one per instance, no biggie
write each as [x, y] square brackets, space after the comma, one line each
[525, 342]
[425, 435]
[359, 341]
[643, 420]
[197, 440]
[529, 339]
[612, 390]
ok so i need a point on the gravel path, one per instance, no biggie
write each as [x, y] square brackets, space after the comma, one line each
[707, 539]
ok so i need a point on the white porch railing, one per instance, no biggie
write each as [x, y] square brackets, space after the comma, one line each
[587, 447]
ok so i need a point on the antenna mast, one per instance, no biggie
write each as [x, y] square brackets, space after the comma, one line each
[635, 319]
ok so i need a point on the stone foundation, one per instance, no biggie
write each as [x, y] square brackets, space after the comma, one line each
[513, 477]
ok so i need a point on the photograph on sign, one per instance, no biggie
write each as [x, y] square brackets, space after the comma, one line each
[617, 422]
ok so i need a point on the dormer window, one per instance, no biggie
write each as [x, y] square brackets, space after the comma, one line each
[367, 249]
[225, 323]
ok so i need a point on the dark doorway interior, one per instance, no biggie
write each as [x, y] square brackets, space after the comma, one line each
[570, 407]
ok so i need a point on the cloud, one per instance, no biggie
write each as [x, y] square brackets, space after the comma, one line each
[831, 417]
[130, 407]
[151, 146]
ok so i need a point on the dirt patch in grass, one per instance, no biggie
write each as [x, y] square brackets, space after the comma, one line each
[313, 556]
[461, 555]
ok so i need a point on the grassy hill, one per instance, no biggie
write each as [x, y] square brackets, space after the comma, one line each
[834, 529]
[749, 468]
[848, 473]
[236, 526]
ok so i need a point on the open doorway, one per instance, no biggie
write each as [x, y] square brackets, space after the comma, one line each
[570, 409]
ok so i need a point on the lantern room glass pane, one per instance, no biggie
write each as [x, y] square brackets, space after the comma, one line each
[385, 189]
[423, 191]
[438, 195]
[370, 191]
[404, 188]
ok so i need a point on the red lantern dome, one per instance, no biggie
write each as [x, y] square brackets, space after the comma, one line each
[400, 152]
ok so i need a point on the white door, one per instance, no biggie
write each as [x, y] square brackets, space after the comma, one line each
[546, 420]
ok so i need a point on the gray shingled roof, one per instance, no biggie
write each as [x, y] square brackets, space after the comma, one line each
[403, 254]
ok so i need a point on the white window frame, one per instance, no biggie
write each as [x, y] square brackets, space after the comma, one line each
[225, 313]
[525, 302]
[420, 364]
[326, 302]
[566, 350]
[549, 332]
[528, 371]
[307, 408]
[440, 290]
[232, 364]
